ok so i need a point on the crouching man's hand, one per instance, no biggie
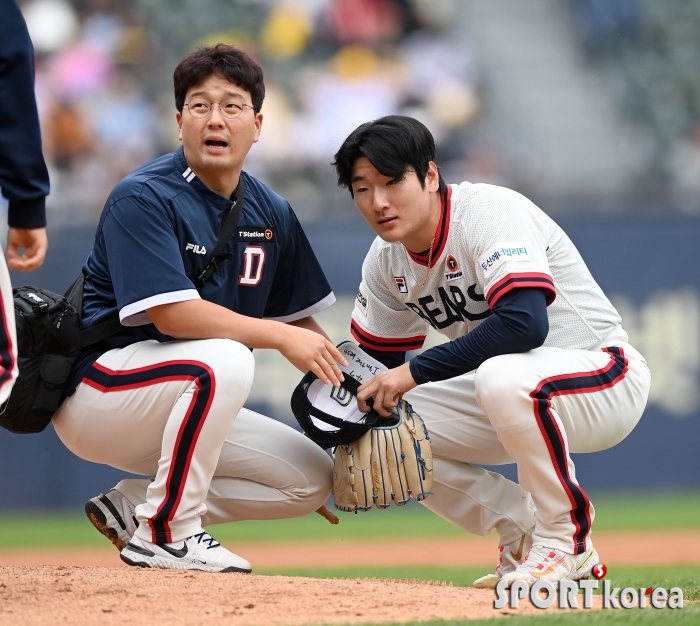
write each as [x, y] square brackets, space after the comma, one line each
[387, 389]
[309, 351]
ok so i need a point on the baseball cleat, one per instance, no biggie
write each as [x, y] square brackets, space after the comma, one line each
[198, 552]
[511, 555]
[113, 515]
[553, 565]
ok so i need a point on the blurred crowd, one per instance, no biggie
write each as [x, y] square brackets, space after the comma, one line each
[650, 53]
[104, 89]
[99, 119]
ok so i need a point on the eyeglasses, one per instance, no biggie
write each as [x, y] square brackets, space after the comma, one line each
[201, 108]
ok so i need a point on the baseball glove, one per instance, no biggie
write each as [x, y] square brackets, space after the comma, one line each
[388, 463]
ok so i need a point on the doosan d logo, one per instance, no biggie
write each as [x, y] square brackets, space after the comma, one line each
[543, 594]
[253, 264]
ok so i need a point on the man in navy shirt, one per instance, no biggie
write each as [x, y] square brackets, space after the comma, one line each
[24, 179]
[164, 396]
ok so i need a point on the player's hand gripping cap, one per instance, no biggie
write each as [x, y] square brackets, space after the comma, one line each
[377, 460]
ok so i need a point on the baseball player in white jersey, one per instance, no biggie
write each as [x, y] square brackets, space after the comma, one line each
[537, 366]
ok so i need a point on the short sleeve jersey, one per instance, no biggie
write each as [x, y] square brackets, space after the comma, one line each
[157, 232]
[490, 240]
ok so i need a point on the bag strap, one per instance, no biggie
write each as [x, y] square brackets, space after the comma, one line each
[42, 312]
[98, 332]
[218, 256]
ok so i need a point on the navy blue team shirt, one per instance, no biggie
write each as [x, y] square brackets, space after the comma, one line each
[158, 230]
[24, 179]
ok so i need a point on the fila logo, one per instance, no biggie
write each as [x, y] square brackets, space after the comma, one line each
[195, 248]
[452, 266]
[401, 284]
[253, 263]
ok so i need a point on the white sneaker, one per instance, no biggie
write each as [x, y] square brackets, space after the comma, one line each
[511, 555]
[554, 565]
[113, 515]
[199, 552]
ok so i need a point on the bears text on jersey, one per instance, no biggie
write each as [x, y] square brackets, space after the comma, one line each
[454, 307]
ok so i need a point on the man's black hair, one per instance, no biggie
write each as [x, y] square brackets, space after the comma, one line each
[222, 60]
[394, 144]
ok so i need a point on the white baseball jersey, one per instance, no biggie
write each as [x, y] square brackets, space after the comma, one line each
[489, 241]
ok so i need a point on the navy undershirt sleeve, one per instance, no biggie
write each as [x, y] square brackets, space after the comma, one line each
[519, 324]
[389, 359]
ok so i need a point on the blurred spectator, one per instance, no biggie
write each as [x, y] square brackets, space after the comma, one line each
[354, 87]
[365, 21]
[287, 31]
[67, 137]
[52, 24]
[125, 125]
[441, 75]
[80, 70]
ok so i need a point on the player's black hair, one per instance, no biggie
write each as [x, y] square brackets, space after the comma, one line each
[394, 144]
[221, 60]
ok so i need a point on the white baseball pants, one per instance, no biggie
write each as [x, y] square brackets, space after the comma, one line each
[173, 411]
[533, 409]
[8, 334]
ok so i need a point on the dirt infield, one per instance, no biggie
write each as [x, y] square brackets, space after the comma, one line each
[74, 586]
[53, 595]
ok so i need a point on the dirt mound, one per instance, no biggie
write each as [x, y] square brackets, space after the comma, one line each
[80, 595]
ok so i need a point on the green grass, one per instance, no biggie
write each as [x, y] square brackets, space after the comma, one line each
[643, 511]
[457, 576]
[687, 577]
[613, 513]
